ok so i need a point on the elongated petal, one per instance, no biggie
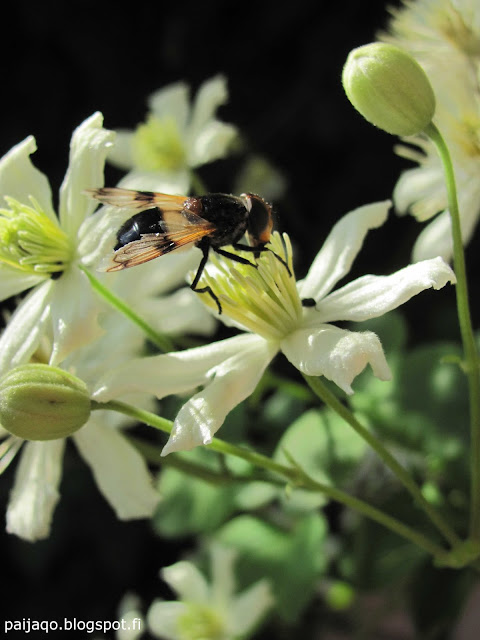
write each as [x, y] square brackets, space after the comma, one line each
[211, 95]
[187, 582]
[175, 182]
[120, 153]
[119, 470]
[75, 310]
[212, 143]
[88, 150]
[13, 282]
[163, 618]
[19, 179]
[231, 382]
[35, 492]
[22, 335]
[249, 608]
[222, 575]
[337, 354]
[341, 248]
[171, 101]
[168, 373]
[372, 296]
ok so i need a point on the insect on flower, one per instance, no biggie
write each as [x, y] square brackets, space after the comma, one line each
[170, 222]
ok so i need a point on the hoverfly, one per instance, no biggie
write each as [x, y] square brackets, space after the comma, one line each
[167, 223]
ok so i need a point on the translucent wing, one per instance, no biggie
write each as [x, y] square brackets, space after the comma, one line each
[138, 200]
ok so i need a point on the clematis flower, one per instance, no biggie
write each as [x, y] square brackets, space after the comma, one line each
[175, 139]
[444, 37]
[266, 302]
[119, 470]
[208, 610]
[43, 251]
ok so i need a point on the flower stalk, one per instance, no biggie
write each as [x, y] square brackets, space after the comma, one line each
[294, 474]
[466, 330]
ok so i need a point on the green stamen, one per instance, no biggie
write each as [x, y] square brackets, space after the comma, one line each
[31, 241]
[199, 623]
[157, 145]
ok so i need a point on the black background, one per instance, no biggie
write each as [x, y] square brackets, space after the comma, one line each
[283, 60]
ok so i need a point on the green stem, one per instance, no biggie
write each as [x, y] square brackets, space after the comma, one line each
[293, 474]
[159, 340]
[331, 400]
[466, 330]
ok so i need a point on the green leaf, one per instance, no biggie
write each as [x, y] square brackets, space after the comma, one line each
[293, 560]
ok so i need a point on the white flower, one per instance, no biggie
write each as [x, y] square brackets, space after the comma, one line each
[43, 251]
[444, 37]
[267, 302]
[119, 470]
[176, 138]
[206, 610]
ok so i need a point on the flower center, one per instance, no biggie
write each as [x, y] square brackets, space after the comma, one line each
[31, 241]
[263, 300]
[469, 135]
[157, 145]
[200, 623]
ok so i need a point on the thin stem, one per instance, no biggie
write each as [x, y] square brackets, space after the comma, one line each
[159, 340]
[322, 391]
[466, 330]
[295, 475]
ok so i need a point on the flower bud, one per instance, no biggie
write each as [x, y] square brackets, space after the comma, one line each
[389, 88]
[40, 402]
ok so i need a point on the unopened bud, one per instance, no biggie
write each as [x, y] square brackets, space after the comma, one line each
[389, 88]
[40, 402]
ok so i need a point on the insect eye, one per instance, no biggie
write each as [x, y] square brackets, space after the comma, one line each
[260, 221]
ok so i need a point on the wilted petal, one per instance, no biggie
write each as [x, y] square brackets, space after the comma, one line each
[372, 296]
[88, 150]
[249, 607]
[187, 582]
[22, 335]
[337, 354]
[163, 618]
[35, 492]
[341, 248]
[74, 309]
[169, 373]
[19, 179]
[119, 470]
[231, 382]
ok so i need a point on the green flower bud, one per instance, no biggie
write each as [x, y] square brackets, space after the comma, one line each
[40, 402]
[389, 88]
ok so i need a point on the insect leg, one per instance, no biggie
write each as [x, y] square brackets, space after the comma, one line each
[233, 256]
[198, 275]
[260, 249]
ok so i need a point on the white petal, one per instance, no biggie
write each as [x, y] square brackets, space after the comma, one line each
[372, 296]
[212, 143]
[22, 335]
[232, 381]
[120, 153]
[249, 608]
[341, 248]
[13, 282]
[337, 354]
[88, 150]
[171, 102]
[163, 181]
[187, 582]
[119, 470]
[163, 618]
[169, 373]
[223, 575]
[75, 308]
[421, 192]
[35, 492]
[212, 94]
[19, 179]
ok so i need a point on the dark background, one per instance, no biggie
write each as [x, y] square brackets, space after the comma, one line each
[283, 60]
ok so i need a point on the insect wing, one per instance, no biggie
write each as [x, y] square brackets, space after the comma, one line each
[138, 200]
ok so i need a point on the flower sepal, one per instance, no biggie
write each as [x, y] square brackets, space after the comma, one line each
[41, 402]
